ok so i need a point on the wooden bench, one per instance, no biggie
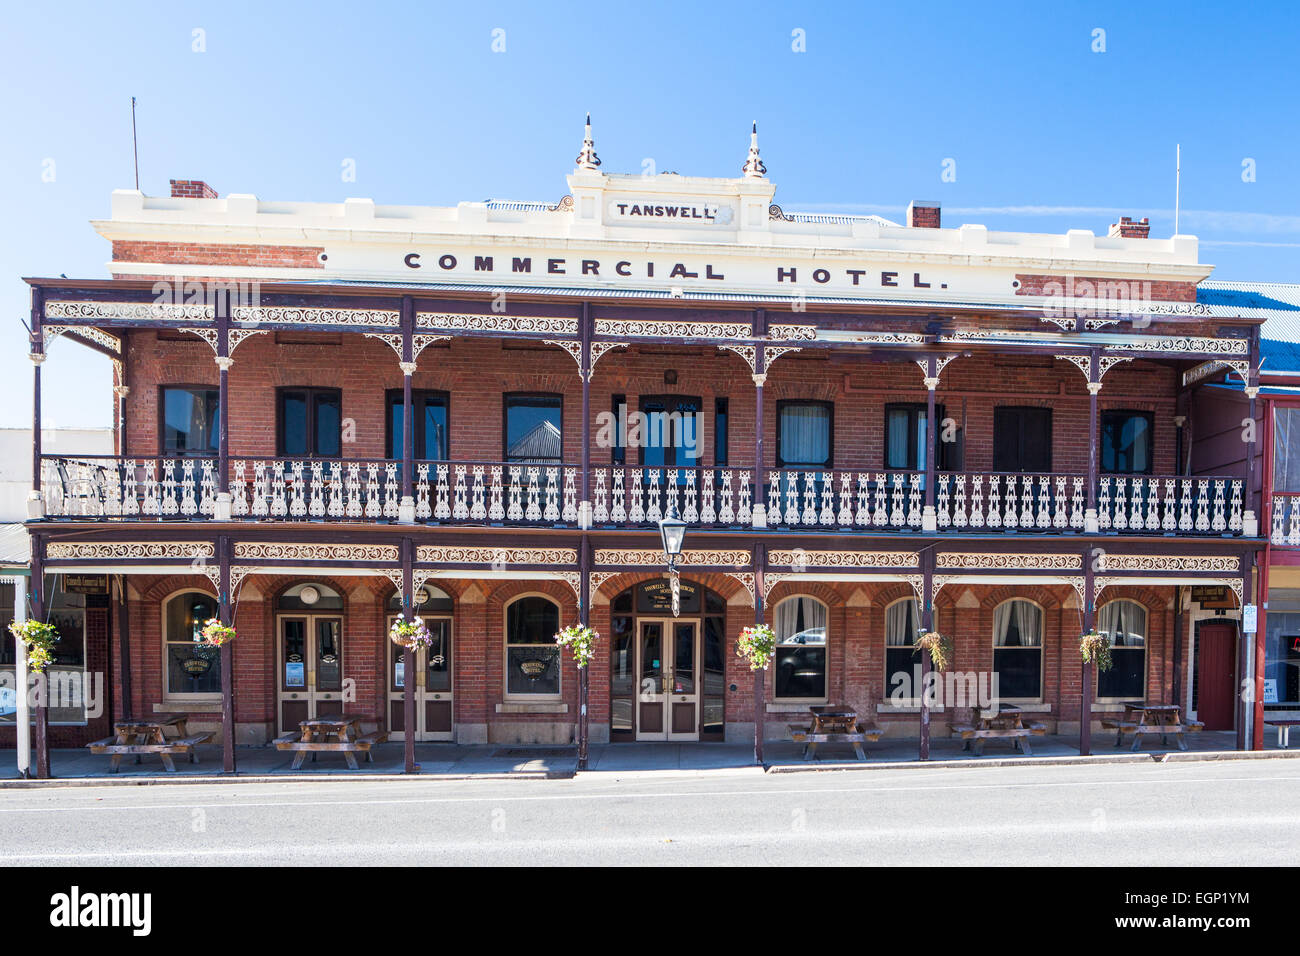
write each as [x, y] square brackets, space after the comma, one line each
[1283, 726]
[800, 734]
[1018, 735]
[174, 745]
[1122, 726]
[362, 744]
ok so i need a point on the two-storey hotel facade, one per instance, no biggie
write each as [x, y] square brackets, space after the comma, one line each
[330, 413]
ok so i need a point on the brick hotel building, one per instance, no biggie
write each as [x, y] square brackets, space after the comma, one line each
[328, 411]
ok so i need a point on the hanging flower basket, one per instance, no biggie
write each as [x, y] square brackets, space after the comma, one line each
[410, 634]
[214, 633]
[1094, 648]
[39, 639]
[581, 642]
[757, 645]
[938, 647]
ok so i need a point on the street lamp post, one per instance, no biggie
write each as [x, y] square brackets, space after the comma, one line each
[672, 532]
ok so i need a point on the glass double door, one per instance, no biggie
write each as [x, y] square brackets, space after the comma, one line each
[433, 709]
[667, 668]
[310, 665]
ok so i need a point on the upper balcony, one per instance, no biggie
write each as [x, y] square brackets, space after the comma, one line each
[523, 494]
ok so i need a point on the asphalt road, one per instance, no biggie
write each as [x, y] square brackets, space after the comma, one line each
[1211, 813]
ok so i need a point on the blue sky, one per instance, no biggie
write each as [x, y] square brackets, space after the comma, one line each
[1045, 133]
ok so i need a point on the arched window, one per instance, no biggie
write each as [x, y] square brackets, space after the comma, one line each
[800, 625]
[902, 625]
[191, 667]
[1125, 623]
[532, 656]
[1018, 650]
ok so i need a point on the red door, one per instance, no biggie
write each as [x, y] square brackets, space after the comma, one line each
[1216, 675]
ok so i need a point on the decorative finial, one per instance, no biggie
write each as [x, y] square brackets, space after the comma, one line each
[754, 168]
[587, 158]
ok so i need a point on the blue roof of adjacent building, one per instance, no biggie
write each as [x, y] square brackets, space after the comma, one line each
[1277, 303]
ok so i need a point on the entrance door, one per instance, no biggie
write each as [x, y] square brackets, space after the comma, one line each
[432, 685]
[311, 668]
[668, 703]
[1216, 675]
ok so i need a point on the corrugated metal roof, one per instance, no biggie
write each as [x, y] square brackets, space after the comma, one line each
[15, 545]
[1277, 303]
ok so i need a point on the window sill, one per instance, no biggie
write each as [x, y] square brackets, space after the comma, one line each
[538, 707]
[789, 707]
[906, 706]
[180, 707]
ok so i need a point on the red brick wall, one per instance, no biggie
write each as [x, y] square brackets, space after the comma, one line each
[1033, 284]
[217, 254]
[478, 372]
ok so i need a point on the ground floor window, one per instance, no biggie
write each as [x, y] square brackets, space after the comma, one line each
[902, 625]
[191, 667]
[532, 656]
[1018, 650]
[1125, 624]
[1282, 648]
[800, 625]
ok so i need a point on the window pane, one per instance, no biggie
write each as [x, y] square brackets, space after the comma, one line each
[439, 656]
[532, 620]
[622, 682]
[805, 434]
[393, 447]
[329, 425]
[1018, 671]
[1286, 447]
[189, 420]
[720, 417]
[1126, 443]
[715, 676]
[533, 670]
[533, 429]
[1127, 675]
[435, 429]
[800, 625]
[293, 423]
[192, 668]
[897, 431]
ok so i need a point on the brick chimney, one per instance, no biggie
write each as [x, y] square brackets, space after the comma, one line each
[192, 189]
[1127, 228]
[923, 214]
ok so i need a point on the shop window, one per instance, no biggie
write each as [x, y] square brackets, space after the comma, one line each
[191, 667]
[902, 627]
[66, 676]
[1286, 450]
[1018, 650]
[532, 656]
[800, 626]
[1125, 623]
[1281, 688]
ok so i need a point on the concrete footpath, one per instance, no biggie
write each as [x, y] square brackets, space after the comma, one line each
[456, 762]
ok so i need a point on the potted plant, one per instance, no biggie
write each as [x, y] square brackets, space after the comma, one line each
[757, 645]
[1094, 648]
[410, 634]
[215, 633]
[581, 642]
[39, 639]
[937, 646]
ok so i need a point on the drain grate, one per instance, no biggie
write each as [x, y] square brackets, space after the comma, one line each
[535, 752]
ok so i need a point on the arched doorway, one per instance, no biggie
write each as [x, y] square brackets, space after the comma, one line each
[309, 654]
[667, 674]
[433, 667]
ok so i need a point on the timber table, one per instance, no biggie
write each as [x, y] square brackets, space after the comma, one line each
[148, 736]
[1006, 723]
[1140, 719]
[833, 725]
[1283, 726]
[340, 734]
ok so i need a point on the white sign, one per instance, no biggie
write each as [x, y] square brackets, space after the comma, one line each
[1270, 690]
[677, 212]
[1248, 617]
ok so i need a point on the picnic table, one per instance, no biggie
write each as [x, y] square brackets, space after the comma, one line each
[341, 734]
[1005, 723]
[833, 725]
[148, 736]
[1141, 718]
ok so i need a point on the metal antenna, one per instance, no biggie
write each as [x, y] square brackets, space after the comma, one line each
[1178, 181]
[135, 146]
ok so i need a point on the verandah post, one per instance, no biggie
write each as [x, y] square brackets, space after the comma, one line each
[227, 658]
[584, 678]
[1085, 680]
[584, 373]
[758, 509]
[929, 520]
[408, 654]
[222, 510]
[927, 623]
[406, 508]
[1091, 524]
[760, 598]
